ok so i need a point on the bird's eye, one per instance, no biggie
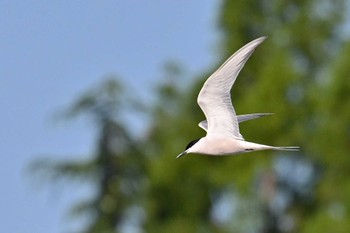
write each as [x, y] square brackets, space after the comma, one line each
[192, 143]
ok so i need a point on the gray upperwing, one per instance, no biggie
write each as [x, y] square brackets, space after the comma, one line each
[215, 96]
[247, 117]
[240, 118]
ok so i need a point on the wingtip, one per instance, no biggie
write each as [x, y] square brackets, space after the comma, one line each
[259, 40]
[266, 113]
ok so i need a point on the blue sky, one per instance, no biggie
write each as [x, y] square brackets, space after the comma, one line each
[52, 51]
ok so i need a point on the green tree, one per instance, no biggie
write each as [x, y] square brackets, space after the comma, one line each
[285, 75]
[331, 147]
[116, 169]
[290, 74]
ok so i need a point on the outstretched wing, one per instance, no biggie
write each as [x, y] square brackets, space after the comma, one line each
[215, 99]
[240, 118]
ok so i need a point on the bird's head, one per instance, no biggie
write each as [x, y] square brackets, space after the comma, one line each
[188, 148]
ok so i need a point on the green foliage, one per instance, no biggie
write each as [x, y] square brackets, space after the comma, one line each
[116, 170]
[331, 148]
[284, 76]
[290, 74]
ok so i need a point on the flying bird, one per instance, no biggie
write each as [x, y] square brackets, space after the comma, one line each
[223, 136]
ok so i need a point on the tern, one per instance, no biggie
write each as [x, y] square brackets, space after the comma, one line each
[223, 136]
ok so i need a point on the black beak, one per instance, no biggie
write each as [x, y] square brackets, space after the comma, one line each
[183, 153]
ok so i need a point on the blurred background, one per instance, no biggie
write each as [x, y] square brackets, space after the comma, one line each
[99, 98]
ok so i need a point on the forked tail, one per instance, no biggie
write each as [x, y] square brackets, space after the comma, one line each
[251, 146]
[286, 148]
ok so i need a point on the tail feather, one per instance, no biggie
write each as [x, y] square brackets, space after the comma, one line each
[286, 148]
[251, 146]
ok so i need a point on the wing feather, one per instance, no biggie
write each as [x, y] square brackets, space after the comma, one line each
[240, 118]
[215, 98]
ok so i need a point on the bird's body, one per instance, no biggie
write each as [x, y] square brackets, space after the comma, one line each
[223, 136]
[218, 146]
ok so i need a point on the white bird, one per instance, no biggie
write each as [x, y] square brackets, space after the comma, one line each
[223, 136]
